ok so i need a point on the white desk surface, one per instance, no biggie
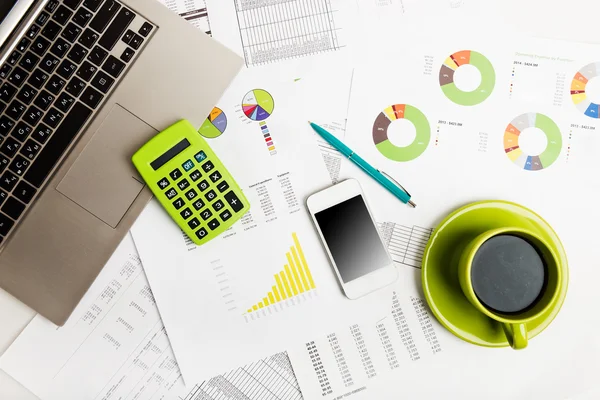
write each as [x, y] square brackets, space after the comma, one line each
[574, 20]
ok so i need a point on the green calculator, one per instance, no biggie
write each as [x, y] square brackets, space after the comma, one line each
[190, 182]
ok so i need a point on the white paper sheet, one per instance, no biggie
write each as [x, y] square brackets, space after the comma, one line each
[115, 347]
[217, 285]
[193, 11]
[465, 159]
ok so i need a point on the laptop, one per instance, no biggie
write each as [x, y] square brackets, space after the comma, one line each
[83, 85]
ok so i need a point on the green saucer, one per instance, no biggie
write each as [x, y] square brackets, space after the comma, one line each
[439, 273]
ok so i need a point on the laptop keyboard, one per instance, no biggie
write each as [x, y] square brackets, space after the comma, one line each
[62, 69]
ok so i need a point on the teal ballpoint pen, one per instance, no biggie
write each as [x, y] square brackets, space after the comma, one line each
[381, 177]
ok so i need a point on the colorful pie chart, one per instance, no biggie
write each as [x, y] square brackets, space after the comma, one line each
[394, 113]
[453, 63]
[578, 93]
[532, 162]
[214, 125]
[258, 105]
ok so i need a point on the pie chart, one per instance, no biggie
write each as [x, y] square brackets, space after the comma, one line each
[258, 105]
[394, 113]
[214, 125]
[532, 162]
[477, 60]
[578, 93]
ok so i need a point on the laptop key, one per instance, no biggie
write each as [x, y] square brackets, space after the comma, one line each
[18, 76]
[51, 30]
[19, 165]
[42, 18]
[5, 224]
[88, 38]
[127, 54]
[102, 82]
[55, 84]
[21, 131]
[145, 29]
[40, 46]
[2, 107]
[33, 115]
[44, 100]
[60, 47]
[82, 17]
[37, 79]
[97, 55]
[64, 102]
[113, 66]
[136, 42]
[77, 53]
[23, 44]
[8, 181]
[33, 30]
[116, 28]
[29, 61]
[86, 71]
[15, 110]
[27, 94]
[75, 87]
[6, 125]
[92, 4]
[128, 36]
[66, 69]
[24, 192]
[104, 15]
[72, 3]
[4, 71]
[49, 63]
[13, 58]
[51, 6]
[3, 196]
[53, 117]
[30, 149]
[13, 208]
[7, 91]
[57, 144]
[42, 133]
[71, 32]
[62, 15]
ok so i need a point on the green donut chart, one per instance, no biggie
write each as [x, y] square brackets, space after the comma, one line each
[534, 162]
[453, 63]
[386, 118]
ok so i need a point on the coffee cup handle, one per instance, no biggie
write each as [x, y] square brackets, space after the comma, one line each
[516, 334]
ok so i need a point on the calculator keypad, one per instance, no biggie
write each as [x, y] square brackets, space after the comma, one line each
[183, 187]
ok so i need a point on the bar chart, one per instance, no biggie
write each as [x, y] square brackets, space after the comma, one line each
[294, 280]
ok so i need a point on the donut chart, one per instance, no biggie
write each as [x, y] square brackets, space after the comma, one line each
[454, 62]
[386, 118]
[526, 161]
[214, 125]
[578, 93]
[258, 105]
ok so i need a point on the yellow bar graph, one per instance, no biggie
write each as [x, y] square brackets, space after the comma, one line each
[295, 272]
[304, 264]
[292, 280]
[280, 286]
[276, 292]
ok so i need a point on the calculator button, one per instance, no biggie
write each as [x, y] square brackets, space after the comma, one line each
[175, 174]
[198, 204]
[171, 193]
[214, 224]
[188, 165]
[225, 215]
[215, 176]
[233, 201]
[178, 203]
[210, 196]
[203, 185]
[223, 186]
[218, 205]
[193, 223]
[163, 183]
[206, 214]
[186, 213]
[183, 184]
[208, 166]
[201, 233]
[195, 175]
[201, 156]
[191, 194]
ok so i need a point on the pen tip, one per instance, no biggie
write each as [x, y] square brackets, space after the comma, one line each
[412, 204]
[310, 122]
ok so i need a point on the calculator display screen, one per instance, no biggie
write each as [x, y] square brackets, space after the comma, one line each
[352, 238]
[170, 154]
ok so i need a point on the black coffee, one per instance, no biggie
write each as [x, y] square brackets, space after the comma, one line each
[508, 274]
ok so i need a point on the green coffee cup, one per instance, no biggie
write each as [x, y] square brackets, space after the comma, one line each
[513, 276]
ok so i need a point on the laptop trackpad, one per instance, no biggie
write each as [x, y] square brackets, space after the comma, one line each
[103, 180]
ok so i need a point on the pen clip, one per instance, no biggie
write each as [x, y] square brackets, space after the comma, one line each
[395, 181]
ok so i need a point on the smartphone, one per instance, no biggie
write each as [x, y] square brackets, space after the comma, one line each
[351, 239]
